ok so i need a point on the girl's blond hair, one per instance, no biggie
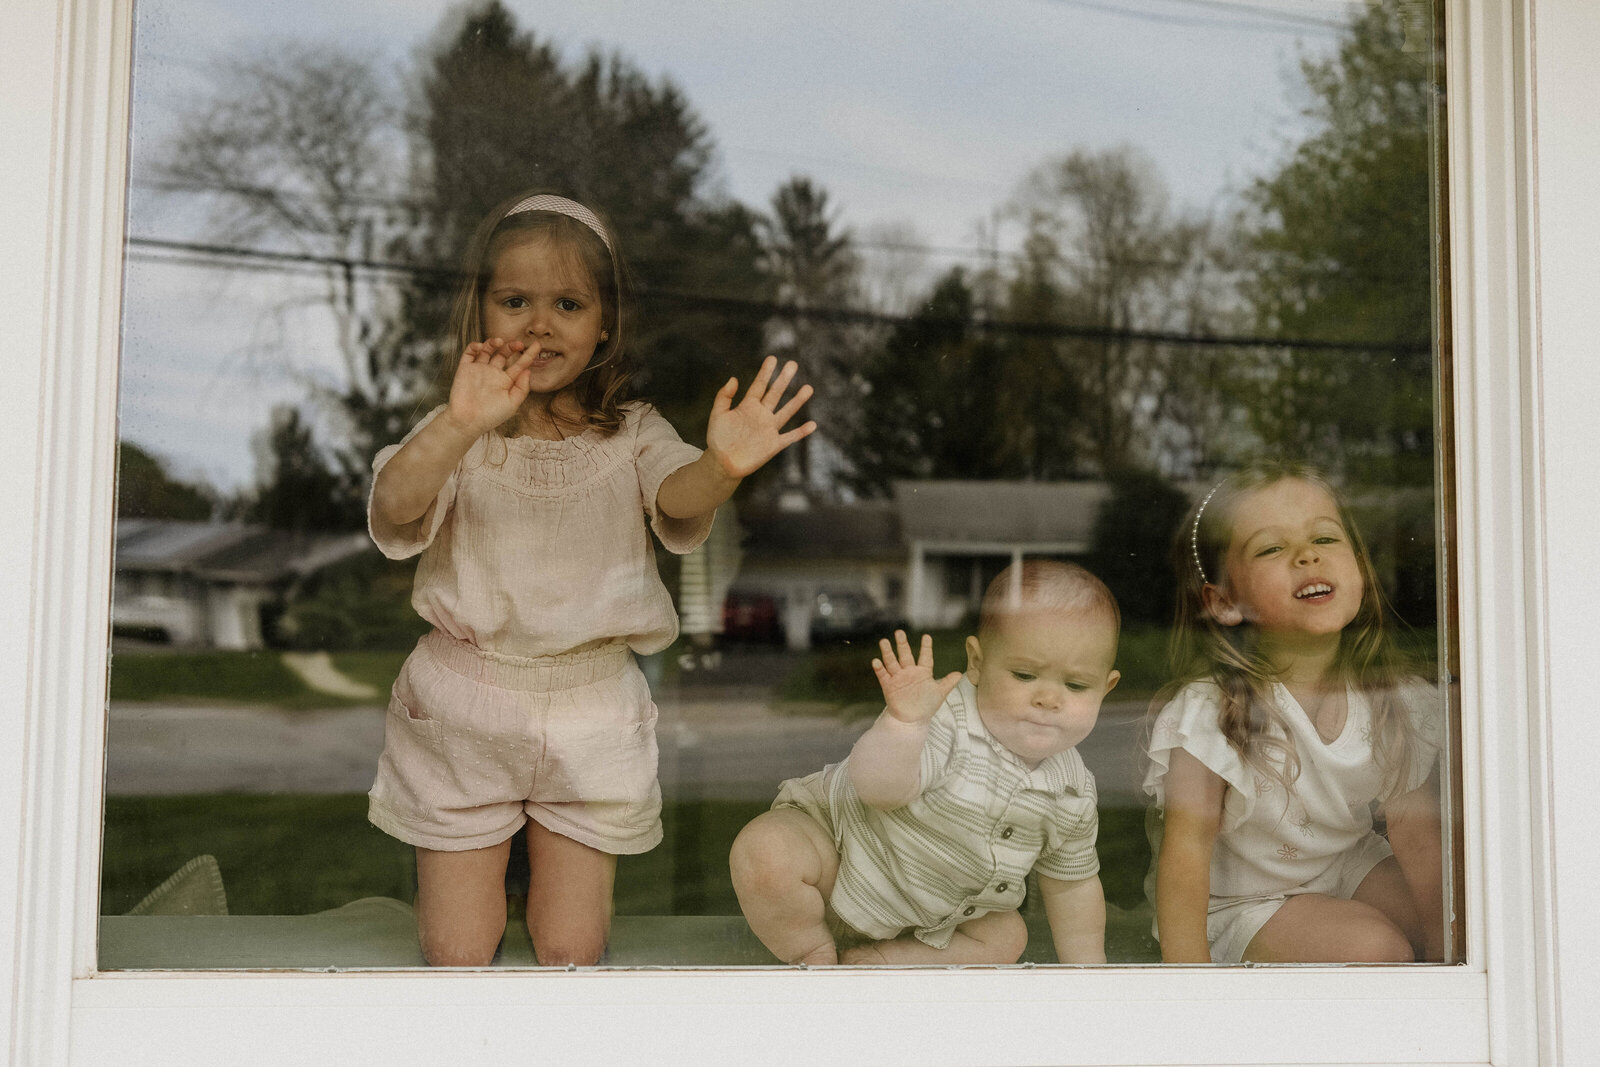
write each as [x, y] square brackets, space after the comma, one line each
[603, 387]
[1203, 649]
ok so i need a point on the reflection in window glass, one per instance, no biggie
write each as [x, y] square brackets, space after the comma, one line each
[1050, 288]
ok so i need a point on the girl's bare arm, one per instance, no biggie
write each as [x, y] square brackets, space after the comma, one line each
[490, 384]
[408, 484]
[1183, 872]
[1415, 834]
[739, 441]
[1077, 915]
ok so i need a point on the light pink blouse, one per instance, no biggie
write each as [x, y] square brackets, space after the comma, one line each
[536, 547]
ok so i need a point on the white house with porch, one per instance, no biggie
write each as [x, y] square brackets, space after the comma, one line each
[959, 534]
[203, 584]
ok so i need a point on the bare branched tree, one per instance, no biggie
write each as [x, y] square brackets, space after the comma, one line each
[296, 149]
[1118, 260]
[895, 267]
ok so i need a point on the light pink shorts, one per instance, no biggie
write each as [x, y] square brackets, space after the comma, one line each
[475, 744]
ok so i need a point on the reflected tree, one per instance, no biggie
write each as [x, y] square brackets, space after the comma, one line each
[498, 112]
[298, 150]
[147, 490]
[1050, 379]
[1340, 247]
[1105, 254]
[928, 402]
[814, 271]
[1038, 401]
[297, 488]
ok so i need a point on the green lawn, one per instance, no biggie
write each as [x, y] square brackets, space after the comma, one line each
[377, 669]
[297, 854]
[837, 674]
[230, 677]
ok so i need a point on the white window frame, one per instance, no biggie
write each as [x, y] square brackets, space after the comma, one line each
[1524, 233]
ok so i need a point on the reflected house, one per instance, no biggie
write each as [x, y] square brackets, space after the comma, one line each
[960, 534]
[204, 584]
[800, 557]
[922, 558]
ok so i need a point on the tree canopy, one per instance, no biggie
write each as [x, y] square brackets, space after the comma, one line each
[499, 112]
[1084, 354]
[146, 490]
[1340, 247]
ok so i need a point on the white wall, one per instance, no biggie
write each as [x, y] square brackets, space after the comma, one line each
[1565, 310]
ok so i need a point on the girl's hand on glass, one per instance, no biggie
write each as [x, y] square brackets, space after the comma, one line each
[911, 693]
[742, 438]
[491, 383]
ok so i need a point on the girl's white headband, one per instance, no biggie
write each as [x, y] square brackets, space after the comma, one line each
[562, 206]
[1194, 533]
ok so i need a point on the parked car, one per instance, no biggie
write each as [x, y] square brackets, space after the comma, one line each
[752, 617]
[849, 615]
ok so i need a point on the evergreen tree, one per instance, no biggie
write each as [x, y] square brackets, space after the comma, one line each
[146, 491]
[297, 488]
[1133, 535]
[498, 112]
[813, 269]
[928, 403]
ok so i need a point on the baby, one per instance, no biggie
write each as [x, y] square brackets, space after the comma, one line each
[914, 849]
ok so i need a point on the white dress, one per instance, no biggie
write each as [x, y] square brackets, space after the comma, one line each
[1272, 843]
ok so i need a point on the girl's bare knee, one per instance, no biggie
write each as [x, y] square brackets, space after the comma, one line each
[474, 949]
[565, 937]
[1383, 943]
[569, 948]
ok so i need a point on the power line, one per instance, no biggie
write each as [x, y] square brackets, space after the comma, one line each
[1259, 18]
[1252, 10]
[987, 255]
[265, 192]
[157, 250]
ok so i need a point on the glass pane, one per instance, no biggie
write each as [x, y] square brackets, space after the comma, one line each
[1060, 277]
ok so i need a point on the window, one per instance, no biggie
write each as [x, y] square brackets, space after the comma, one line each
[1453, 1007]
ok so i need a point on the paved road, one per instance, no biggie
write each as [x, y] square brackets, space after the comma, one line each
[729, 747]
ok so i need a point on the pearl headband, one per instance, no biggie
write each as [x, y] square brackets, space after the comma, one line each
[1194, 535]
[560, 205]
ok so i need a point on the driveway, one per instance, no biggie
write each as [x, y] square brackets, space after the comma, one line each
[730, 747]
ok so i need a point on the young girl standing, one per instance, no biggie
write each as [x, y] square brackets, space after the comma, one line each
[1290, 717]
[528, 495]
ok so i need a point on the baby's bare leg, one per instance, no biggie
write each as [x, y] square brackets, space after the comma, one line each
[998, 937]
[783, 865]
[461, 904]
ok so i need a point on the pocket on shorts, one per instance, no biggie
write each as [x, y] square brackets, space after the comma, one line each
[404, 707]
[646, 723]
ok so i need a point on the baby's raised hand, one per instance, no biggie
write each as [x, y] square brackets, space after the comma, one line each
[910, 691]
[491, 383]
[743, 438]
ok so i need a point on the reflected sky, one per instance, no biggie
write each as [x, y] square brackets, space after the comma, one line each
[923, 116]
